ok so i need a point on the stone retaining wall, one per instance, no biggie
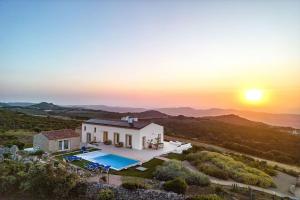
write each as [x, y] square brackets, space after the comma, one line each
[140, 194]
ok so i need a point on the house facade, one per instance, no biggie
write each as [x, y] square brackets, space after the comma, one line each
[57, 140]
[128, 133]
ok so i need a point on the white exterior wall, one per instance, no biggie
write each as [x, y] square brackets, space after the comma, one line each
[111, 130]
[151, 132]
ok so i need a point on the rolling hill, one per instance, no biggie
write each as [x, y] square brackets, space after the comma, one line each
[230, 131]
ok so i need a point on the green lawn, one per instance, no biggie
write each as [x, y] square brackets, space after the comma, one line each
[78, 163]
[175, 156]
[150, 165]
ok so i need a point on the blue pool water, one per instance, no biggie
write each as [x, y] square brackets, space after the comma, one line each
[115, 161]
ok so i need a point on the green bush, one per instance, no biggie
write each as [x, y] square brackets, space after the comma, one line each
[6, 155]
[169, 170]
[106, 194]
[37, 180]
[198, 178]
[177, 185]
[219, 190]
[174, 169]
[37, 153]
[205, 197]
[19, 144]
[214, 171]
[79, 191]
[133, 185]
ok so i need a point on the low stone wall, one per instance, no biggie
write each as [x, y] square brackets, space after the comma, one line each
[140, 194]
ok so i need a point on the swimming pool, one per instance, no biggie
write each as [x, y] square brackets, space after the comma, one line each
[115, 161]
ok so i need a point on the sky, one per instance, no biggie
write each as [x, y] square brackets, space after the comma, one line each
[162, 53]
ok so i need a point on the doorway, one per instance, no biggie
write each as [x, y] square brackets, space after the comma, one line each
[105, 136]
[88, 137]
[129, 141]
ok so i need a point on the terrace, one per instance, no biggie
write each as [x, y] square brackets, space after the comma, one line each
[141, 155]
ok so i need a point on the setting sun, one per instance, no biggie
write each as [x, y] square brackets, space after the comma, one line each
[254, 95]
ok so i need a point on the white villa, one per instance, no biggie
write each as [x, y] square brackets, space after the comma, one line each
[127, 132]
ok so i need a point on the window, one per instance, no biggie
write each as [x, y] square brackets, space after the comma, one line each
[60, 145]
[116, 138]
[84, 128]
[95, 129]
[63, 145]
[66, 144]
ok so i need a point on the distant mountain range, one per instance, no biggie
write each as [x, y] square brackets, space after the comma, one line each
[291, 120]
[288, 120]
[111, 108]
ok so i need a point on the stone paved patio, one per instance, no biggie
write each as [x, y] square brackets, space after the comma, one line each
[141, 155]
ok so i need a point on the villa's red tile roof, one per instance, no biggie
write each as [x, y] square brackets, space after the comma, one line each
[60, 134]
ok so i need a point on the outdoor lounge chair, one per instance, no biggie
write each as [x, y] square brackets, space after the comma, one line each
[92, 166]
[106, 168]
[71, 158]
[83, 150]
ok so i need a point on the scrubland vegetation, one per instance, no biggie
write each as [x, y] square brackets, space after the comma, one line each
[18, 128]
[174, 169]
[35, 180]
[223, 166]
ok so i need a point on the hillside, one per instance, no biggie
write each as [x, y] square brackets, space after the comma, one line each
[3, 104]
[15, 120]
[45, 106]
[242, 135]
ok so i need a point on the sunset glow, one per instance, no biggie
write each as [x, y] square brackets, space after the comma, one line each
[200, 54]
[254, 95]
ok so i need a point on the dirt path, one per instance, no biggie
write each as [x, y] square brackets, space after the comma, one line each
[270, 162]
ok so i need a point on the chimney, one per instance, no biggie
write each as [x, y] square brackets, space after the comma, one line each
[130, 120]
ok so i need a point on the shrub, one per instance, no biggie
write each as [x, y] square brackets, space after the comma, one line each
[219, 190]
[37, 153]
[199, 179]
[6, 155]
[37, 180]
[174, 169]
[177, 185]
[205, 197]
[214, 171]
[133, 185]
[79, 191]
[15, 142]
[169, 170]
[106, 194]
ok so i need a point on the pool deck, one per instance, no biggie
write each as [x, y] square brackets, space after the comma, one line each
[141, 155]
